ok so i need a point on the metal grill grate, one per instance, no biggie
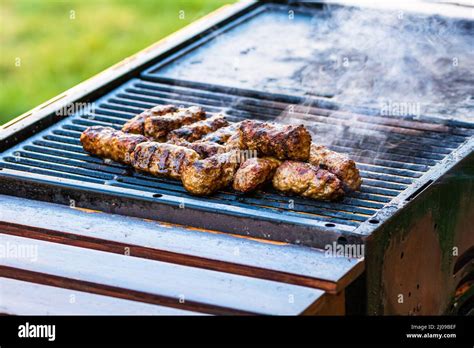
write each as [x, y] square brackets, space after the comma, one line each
[391, 153]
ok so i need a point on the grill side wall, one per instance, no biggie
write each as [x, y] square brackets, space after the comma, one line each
[419, 263]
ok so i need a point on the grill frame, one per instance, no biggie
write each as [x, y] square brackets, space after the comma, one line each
[120, 200]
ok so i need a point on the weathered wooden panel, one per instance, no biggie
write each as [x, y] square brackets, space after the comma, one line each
[23, 298]
[177, 244]
[150, 281]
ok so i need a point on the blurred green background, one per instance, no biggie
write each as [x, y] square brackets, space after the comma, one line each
[48, 46]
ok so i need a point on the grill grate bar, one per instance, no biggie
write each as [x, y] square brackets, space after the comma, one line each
[380, 191]
[60, 168]
[112, 113]
[372, 167]
[106, 119]
[88, 123]
[73, 162]
[385, 177]
[53, 173]
[144, 93]
[382, 155]
[70, 154]
[397, 149]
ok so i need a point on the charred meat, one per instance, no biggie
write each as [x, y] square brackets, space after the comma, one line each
[110, 143]
[162, 159]
[205, 149]
[235, 142]
[307, 180]
[197, 130]
[254, 172]
[136, 125]
[337, 163]
[206, 176]
[276, 140]
[158, 127]
[221, 135]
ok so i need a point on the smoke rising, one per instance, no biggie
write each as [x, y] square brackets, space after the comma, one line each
[403, 63]
[397, 63]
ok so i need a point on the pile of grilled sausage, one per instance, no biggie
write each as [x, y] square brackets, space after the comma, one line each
[205, 153]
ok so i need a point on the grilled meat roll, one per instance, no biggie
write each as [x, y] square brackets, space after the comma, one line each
[157, 127]
[136, 125]
[307, 180]
[196, 131]
[206, 176]
[107, 142]
[337, 163]
[254, 172]
[162, 159]
[221, 135]
[205, 149]
[235, 142]
[271, 139]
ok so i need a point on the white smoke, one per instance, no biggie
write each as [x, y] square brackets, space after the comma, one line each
[391, 60]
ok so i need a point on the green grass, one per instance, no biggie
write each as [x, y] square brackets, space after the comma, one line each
[44, 50]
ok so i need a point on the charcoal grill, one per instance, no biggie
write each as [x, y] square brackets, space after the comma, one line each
[402, 158]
